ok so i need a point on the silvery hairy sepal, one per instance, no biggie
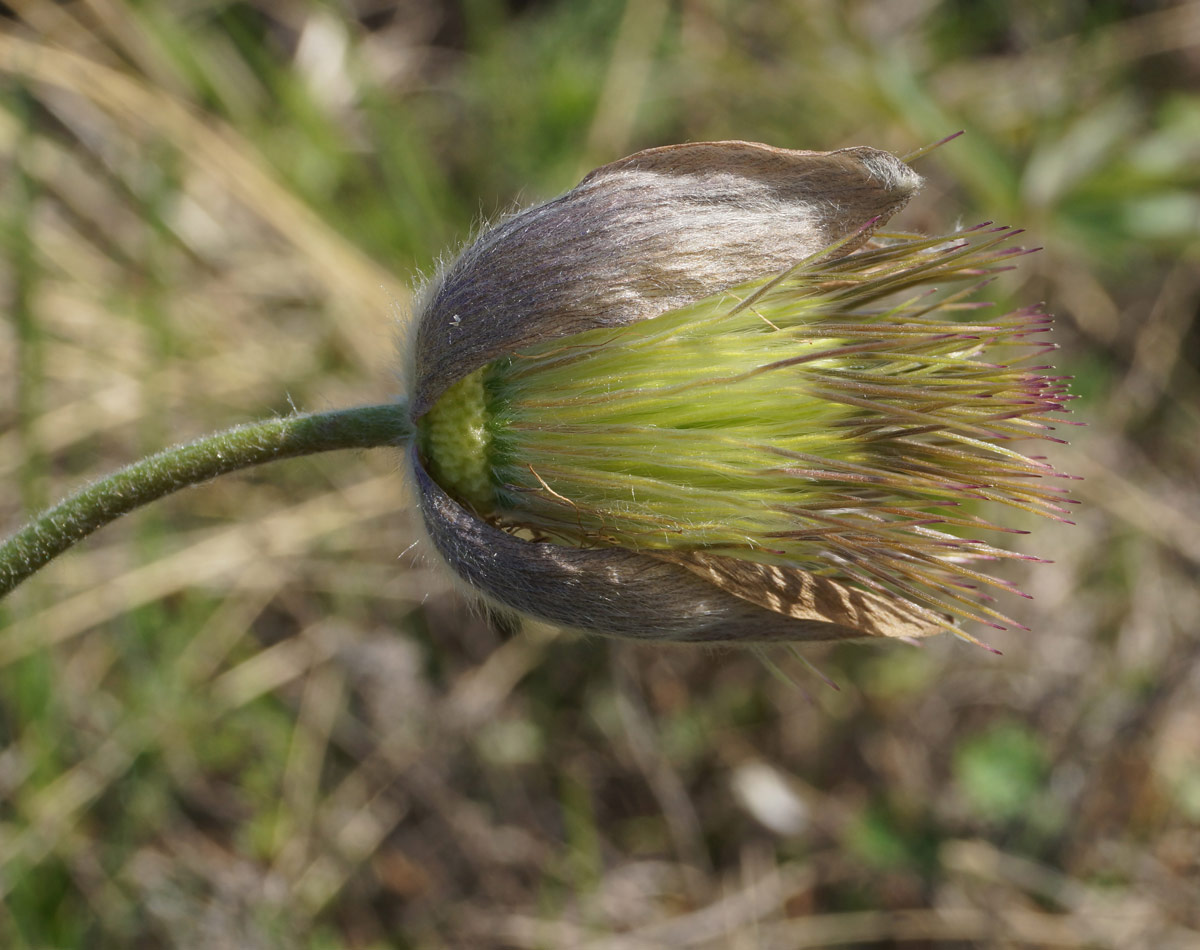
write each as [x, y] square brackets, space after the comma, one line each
[674, 239]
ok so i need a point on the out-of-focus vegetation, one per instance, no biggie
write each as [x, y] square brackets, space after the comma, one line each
[252, 717]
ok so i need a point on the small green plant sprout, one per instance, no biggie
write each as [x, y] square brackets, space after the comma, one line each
[700, 397]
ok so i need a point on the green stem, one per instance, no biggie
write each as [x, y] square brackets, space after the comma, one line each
[71, 520]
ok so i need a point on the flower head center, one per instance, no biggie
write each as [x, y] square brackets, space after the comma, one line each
[456, 441]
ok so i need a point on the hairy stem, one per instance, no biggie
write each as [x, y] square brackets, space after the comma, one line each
[71, 520]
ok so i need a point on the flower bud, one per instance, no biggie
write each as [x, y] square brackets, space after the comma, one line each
[695, 399]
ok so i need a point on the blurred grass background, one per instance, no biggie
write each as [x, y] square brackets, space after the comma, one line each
[252, 717]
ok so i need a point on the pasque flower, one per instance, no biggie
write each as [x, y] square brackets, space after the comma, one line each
[703, 397]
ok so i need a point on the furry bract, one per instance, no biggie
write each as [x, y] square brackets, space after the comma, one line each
[702, 396]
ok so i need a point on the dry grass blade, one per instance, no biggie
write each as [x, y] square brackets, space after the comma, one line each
[221, 555]
[364, 287]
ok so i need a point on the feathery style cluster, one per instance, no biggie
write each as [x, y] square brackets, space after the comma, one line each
[702, 397]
